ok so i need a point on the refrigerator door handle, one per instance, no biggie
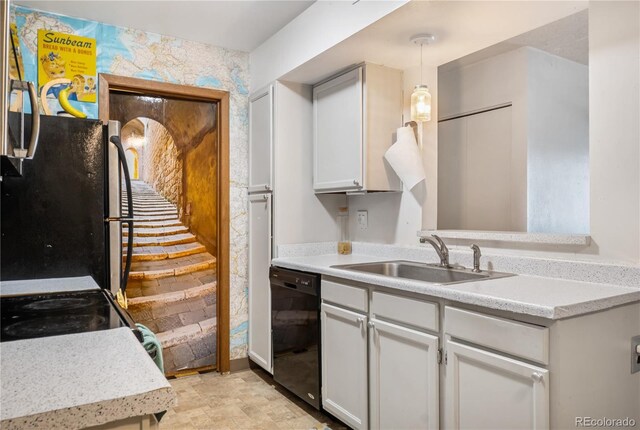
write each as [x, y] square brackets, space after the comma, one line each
[35, 121]
[129, 221]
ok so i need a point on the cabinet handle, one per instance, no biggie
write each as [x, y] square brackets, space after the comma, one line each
[361, 321]
[537, 377]
[371, 324]
[356, 182]
[266, 187]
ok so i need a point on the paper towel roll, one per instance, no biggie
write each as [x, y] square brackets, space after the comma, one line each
[405, 158]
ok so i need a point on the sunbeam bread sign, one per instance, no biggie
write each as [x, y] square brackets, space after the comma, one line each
[67, 56]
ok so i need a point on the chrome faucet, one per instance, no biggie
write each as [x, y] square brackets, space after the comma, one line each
[476, 258]
[440, 247]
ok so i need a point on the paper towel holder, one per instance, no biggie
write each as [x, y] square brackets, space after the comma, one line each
[414, 127]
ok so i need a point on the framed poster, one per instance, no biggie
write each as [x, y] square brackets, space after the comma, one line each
[67, 57]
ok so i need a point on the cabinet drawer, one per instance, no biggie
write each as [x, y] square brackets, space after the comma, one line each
[516, 338]
[405, 310]
[345, 295]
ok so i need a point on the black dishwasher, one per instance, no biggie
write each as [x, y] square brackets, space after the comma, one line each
[295, 328]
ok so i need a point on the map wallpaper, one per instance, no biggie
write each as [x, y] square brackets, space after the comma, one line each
[135, 53]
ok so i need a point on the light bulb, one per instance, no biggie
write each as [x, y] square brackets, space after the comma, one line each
[421, 104]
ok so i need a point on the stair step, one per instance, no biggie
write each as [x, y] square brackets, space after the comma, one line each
[155, 224]
[189, 348]
[159, 216]
[154, 253]
[186, 333]
[156, 231]
[144, 199]
[138, 205]
[151, 202]
[155, 212]
[169, 311]
[196, 292]
[172, 267]
[152, 287]
[163, 206]
[145, 218]
[174, 239]
[158, 209]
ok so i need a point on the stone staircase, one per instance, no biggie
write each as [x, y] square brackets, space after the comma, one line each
[172, 283]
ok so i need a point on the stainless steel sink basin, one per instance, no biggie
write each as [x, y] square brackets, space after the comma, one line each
[431, 273]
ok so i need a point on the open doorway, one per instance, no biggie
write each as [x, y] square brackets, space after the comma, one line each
[176, 144]
[132, 161]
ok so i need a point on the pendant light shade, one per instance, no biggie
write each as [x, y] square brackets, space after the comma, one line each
[421, 104]
[421, 98]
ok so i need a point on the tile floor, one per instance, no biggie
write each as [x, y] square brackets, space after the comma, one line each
[244, 400]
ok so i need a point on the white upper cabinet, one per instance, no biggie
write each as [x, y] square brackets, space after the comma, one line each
[356, 115]
[261, 140]
[337, 108]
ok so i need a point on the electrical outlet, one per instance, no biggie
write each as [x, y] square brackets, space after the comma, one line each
[363, 222]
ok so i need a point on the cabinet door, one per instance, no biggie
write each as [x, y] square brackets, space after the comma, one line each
[489, 391]
[337, 133]
[404, 377]
[261, 140]
[344, 365]
[259, 288]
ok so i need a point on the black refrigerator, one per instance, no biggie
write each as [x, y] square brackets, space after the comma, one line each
[63, 216]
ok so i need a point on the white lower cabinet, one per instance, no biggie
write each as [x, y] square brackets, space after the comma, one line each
[344, 365]
[377, 373]
[491, 391]
[382, 366]
[403, 369]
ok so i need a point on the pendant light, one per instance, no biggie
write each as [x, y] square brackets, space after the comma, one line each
[421, 98]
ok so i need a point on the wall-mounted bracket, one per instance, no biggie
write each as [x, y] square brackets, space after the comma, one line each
[414, 127]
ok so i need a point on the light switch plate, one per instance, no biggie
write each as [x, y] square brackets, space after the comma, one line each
[363, 221]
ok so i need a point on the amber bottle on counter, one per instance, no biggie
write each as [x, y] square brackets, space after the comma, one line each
[344, 244]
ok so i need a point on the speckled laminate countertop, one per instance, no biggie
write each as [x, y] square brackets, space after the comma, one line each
[549, 298]
[79, 380]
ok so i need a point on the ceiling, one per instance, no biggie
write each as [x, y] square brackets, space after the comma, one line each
[567, 38]
[241, 25]
[460, 28]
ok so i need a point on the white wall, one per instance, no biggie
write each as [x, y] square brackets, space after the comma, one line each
[396, 217]
[548, 154]
[320, 27]
[480, 187]
[614, 128]
[557, 144]
[300, 215]
[614, 138]
[494, 81]
[614, 144]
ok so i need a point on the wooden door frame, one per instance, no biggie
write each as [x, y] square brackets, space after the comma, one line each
[108, 83]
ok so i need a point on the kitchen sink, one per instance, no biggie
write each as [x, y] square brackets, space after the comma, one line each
[431, 273]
